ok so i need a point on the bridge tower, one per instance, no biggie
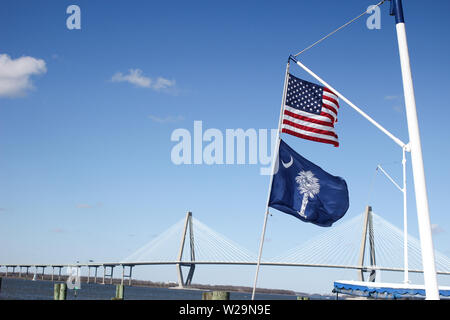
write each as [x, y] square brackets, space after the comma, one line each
[188, 224]
[367, 228]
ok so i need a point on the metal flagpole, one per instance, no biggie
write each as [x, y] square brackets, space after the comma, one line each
[274, 168]
[405, 213]
[405, 221]
[420, 188]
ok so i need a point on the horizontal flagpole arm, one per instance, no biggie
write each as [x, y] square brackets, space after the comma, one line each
[376, 124]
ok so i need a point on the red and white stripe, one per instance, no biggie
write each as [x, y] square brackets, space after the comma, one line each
[315, 127]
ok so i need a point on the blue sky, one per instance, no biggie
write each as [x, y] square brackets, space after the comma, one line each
[85, 167]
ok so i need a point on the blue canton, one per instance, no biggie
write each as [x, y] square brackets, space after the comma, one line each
[304, 95]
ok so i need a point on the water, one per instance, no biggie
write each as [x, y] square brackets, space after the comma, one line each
[19, 289]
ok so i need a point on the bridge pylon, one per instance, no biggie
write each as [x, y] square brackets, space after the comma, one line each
[187, 224]
[367, 228]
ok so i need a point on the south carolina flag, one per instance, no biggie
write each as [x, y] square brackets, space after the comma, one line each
[304, 190]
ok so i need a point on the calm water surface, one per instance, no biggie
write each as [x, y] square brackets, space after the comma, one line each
[19, 289]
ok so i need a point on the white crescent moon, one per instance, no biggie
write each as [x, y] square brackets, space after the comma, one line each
[287, 165]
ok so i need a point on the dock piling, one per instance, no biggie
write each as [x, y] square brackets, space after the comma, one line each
[62, 291]
[56, 289]
[216, 295]
[119, 292]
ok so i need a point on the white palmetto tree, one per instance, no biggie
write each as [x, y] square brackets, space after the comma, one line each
[309, 186]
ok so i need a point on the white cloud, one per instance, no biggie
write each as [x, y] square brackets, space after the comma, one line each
[89, 206]
[162, 83]
[58, 230]
[395, 99]
[84, 206]
[15, 74]
[168, 119]
[391, 97]
[398, 109]
[436, 229]
[136, 77]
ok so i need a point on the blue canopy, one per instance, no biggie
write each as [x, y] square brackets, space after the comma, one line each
[384, 290]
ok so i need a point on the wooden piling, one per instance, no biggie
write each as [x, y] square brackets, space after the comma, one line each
[119, 291]
[207, 295]
[63, 291]
[220, 295]
[216, 295]
[56, 290]
[1, 284]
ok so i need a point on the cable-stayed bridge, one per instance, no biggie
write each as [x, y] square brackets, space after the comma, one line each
[366, 243]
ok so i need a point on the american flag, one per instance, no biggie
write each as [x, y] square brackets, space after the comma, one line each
[310, 111]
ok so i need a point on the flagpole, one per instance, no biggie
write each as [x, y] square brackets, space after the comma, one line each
[405, 221]
[274, 167]
[405, 213]
[420, 188]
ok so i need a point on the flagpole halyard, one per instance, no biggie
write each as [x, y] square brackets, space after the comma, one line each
[274, 166]
[333, 32]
